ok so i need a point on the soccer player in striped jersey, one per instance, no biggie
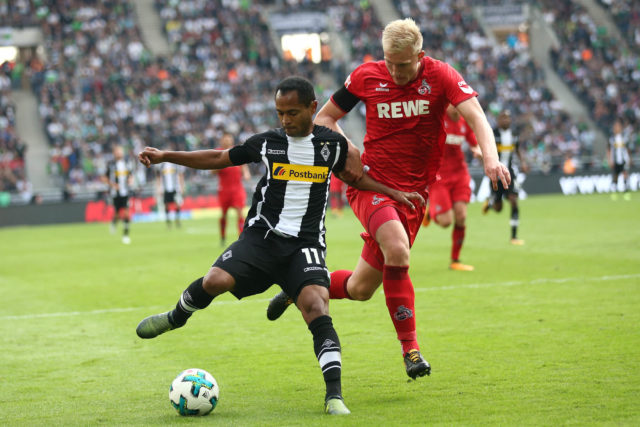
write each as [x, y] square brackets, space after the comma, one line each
[171, 180]
[405, 96]
[449, 196]
[509, 149]
[119, 178]
[283, 240]
[619, 159]
[231, 194]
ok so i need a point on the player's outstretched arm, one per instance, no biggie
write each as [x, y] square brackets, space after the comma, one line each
[353, 174]
[473, 114]
[201, 159]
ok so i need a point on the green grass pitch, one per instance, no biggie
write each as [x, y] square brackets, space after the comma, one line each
[543, 334]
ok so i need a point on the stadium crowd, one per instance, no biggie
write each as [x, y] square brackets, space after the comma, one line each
[12, 148]
[599, 68]
[100, 85]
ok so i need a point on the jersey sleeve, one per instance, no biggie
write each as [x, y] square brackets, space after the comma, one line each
[456, 89]
[348, 96]
[342, 156]
[249, 152]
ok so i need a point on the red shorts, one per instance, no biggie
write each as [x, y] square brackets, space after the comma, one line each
[365, 204]
[336, 185]
[232, 199]
[444, 193]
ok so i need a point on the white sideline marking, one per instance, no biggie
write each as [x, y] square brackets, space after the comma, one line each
[527, 282]
[263, 300]
[114, 310]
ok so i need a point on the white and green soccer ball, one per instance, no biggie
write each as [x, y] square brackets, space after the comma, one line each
[194, 392]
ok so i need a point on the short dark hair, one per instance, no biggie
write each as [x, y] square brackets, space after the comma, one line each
[302, 86]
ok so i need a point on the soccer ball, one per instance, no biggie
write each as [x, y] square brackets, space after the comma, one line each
[194, 392]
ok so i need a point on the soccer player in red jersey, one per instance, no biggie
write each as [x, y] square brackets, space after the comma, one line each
[231, 193]
[405, 96]
[336, 193]
[449, 196]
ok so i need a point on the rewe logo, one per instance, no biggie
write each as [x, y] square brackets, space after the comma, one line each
[396, 110]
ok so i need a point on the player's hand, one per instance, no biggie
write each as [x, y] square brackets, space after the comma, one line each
[150, 156]
[497, 171]
[408, 199]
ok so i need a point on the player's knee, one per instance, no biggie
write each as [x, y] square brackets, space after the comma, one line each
[216, 283]
[312, 302]
[361, 293]
[443, 220]
[396, 252]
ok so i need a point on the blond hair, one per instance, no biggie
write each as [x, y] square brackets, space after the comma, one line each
[400, 34]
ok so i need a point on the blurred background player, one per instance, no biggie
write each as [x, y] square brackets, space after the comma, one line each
[449, 196]
[405, 96]
[336, 196]
[508, 145]
[231, 192]
[619, 158]
[171, 180]
[119, 178]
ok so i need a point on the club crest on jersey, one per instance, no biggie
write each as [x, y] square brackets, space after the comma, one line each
[377, 200]
[403, 313]
[424, 87]
[325, 152]
[293, 172]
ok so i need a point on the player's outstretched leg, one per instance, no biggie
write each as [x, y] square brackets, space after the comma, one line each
[192, 299]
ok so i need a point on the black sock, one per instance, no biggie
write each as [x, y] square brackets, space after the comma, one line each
[192, 299]
[327, 347]
[126, 226]
[515, 221]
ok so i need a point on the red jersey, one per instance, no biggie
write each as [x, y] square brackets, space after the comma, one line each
[453, 160]
[405, 134]
[230, 179]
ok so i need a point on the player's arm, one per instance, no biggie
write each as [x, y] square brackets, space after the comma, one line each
[246, 175]
[354, 175]
[106, 179]
[341, 102]
[474, 116]
[201, 159]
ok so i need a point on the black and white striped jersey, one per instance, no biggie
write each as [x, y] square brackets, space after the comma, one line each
[170, 177]
[508, 146]
[291, 198]
[118, 171]
[618, 144]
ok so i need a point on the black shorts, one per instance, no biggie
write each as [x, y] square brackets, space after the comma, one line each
[171, 197]
[256, 263]
[501, 191]
[120, 202]
[618, 168]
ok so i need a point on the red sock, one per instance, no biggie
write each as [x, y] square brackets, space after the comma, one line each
[240, 224]
[398, 291]
[338, 287]
[457, 237]
[223, 227]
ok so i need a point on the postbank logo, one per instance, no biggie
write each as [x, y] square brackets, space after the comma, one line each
[292, 172]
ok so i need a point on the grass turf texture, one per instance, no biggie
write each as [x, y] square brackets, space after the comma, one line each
[543, 334]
